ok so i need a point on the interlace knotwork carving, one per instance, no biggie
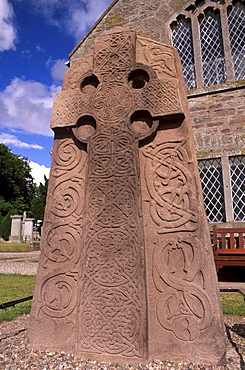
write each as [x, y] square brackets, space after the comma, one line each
[179, 274]
[171, 187]
[68, 106]
[160, 96]
[114, 56]
[112, 281]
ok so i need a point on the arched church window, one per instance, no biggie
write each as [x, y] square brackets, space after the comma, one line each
[182, 39]
[213, 62]
[236, 21]
[209, 36]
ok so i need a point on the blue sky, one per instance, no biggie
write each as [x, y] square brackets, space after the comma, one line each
[36, 37]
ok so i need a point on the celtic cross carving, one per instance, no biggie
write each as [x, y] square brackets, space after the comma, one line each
[113, 236]
[125, 272]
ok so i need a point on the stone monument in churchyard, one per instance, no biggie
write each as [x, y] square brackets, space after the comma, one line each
[126, 272]
[21, 229]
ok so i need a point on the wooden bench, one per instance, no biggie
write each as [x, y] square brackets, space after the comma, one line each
[228, 246]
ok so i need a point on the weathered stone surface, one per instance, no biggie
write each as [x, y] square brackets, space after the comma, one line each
[21, 229]
[16, 226]
[228, 138]
[126, 272]
[27, 229]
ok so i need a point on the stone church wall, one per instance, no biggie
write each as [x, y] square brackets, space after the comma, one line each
[147, 18]
[218, 123]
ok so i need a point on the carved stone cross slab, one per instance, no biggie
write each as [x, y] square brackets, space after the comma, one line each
[126, 271]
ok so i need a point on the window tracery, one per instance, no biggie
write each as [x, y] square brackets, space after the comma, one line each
[210, 37]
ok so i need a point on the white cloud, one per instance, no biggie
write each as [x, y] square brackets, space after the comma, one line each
[13, 140]
[57, 69]
[39, 49]
[74, 17]
[38, 171]
[7, 30]
[85, 15]
[27, 105]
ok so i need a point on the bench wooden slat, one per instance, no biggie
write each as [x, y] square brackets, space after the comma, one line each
[241, 241]
[231, 251]
[228, 246]
[232, 241]
[229, 229]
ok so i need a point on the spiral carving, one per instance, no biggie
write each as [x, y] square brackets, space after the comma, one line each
[112, 102]
[59, 294]
[63, 244]
[67, 155]
[65, 200]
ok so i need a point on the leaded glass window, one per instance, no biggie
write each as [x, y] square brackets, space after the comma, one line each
[208, 56]
[236, 21]
[212, 49]
[237, 170]
[213, 191]
[182, 40]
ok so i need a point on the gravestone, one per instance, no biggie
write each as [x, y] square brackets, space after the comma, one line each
[16, 228]
[21, 229]
[126, 272]
[27, 229]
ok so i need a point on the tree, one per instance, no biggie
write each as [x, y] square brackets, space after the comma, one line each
[16, 182]
[16, 187]
[39, 201]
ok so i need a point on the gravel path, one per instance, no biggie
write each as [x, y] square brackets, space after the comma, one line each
[15, 355]
[24, 263]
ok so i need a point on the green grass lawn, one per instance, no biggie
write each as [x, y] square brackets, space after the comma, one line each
[14, 247]
[233, 304]
[13, 287]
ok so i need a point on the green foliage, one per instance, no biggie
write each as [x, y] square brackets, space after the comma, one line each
[39, 201]
[14, 247]
[233, 304]
[5, 225]
[16, 181]
[13, 287]
[16, 188]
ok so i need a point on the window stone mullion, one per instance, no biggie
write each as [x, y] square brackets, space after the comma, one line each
[226, 43]
[197, 50]
[227, 189]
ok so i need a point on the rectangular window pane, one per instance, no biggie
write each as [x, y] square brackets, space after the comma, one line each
[212, 49]
[237, 38]
[237, 170]
[213, 190]
[182, 40]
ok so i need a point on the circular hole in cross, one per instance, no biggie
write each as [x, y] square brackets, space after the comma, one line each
[85, 128]
[138, 78]
[141, 122]
[89, 84]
